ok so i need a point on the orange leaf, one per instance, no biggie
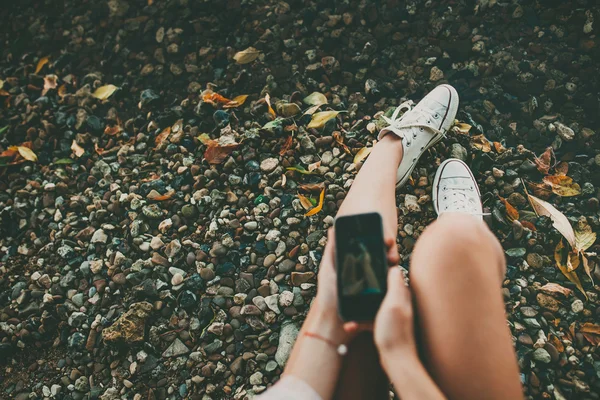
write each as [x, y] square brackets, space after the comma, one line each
[112, 130]
[553, 288]
[236, 102]
[286, 146]
[216, 153]
[563, 185]
[163, 197]
[318, 207]
[499, 147]
[589, 327]
[306, 203]
[77, 149]
[562, 168]
[43, 61]
[543, 162]
[337, 136]
[213, 98]
[4, 93]
[268, 100]
[593, 339]
[161, 137]
[480, 142]
[312, 187]
[98, 150]
[50, 82]
[511, 212]
[62, 91]
[528, 225]
[557, 343]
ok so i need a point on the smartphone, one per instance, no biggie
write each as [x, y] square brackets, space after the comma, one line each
[361, 264]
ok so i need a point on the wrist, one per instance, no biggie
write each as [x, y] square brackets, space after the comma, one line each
[326, 322]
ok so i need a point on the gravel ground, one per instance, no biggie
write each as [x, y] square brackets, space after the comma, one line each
[153, 243]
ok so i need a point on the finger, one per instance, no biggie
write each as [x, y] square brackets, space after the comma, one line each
[396, 290]
[353, 328]
[393, 258]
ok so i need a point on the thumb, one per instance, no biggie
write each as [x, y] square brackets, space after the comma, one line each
[396, 290]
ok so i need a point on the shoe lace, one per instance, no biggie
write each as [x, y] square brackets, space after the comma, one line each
[459, 200]
[397, 122]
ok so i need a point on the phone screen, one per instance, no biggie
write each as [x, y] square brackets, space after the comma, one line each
[361, 265]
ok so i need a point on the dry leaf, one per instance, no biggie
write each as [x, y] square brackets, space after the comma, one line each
[104, 92]
[313, 166]
[246, 56]
[268, 100]
[570, 275]
[362, 154]
[593, 339]
[462, 128]
[99, 150]
[286, 145]
[586, 266]
[1, 83]
[528, 225]
[50, 82]
[315, 99]
[216, 153]
[337, 136]
[305, 201]
[299, 168]
[584, 237]
[562, 185]
[540, 189]
[318, 207]
[589, 327]
[562, 168]
[77, 149]
[312, 187]
[560, 222]
[481, 143]
[511, 211]
[204, 138]
[499, 147]
[311, 110]
[236, 101]
[320, 119]
[208, 96]
[553, 288]
[573, 261]
[62, 91]
[543, 162]
[161, 137]
[163, 197]
[43, 61]
[27, 153]
[557, 343]
[112, 130]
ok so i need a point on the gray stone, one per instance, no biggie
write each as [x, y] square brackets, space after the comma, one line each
[458, 151]
[176, 348]
[287, 338]
[542, 356]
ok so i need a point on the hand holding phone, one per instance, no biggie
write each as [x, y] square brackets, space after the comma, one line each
[361, 266]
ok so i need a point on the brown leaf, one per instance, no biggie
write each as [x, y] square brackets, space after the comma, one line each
[499, 147]
[163, 197]
[543, 162]
[573, 261]
[461, 128]
[77, 149]
[208, 96]
[562, 185]
[362, 154]
[511, 212]
[540, 189]
[4, 93]
[589, 327]
[286, 145]
[216, 153]
[268, 100]
[560, 222]
[570, 275]
[562, 168]
[529, 225]
[246, 56]
[43, 61]
[586, 266]
[312, 187]
[50, 82]
[337, 136]
[112, 130]
[161, 137]
[318, 206]
[553, 288]
[593, 339]
[62, 91]
[305, 202]
[99, 150]
[481, 143]
[557, 343]
[236, 101]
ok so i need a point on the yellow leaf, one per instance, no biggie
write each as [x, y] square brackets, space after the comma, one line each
[305, 202]
[562, 185]
[462, 128]
[25, 152]
[236, 101]
[1, 83]
[362, 154]
[318, 207]
[320, 119]
[204, 138]
[560, 222]
[311, 110]
[77, 149]
[43, 61]
[268, 100]
[104, 92]
[315, 99]
[570, 275]
[246, 56]
[481, 143]
[584, 237]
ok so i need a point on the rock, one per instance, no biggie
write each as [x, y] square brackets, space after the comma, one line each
[458, 151]
[130, 326]
[99, 237]
[287, 338]
[435, 74]
[548, 302]
[269, 164]
[411, 203]
[564, 131]
[577, 306]
[177, 348]
[256, 378]
[542, 356]
[286, 266]
[272, 302]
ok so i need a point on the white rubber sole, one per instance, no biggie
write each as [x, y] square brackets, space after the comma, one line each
[452, 110]
[436, 181]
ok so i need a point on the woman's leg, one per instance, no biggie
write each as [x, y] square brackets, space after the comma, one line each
[374, 189]
[456, 275]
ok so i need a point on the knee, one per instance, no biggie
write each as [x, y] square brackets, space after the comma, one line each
[460, 239]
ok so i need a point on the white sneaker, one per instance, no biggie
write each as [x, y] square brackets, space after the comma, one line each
[422, 126]
[455, 189]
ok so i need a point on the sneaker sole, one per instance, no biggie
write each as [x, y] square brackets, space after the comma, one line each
[436, 182]
[450, 112]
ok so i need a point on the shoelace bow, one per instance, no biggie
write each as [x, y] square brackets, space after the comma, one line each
[459, 200]
[395, 122]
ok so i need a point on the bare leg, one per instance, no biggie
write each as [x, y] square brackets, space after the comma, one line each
[374, 189]
[456, 273]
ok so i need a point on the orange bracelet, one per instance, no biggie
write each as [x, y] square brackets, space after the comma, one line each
[341, 349]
